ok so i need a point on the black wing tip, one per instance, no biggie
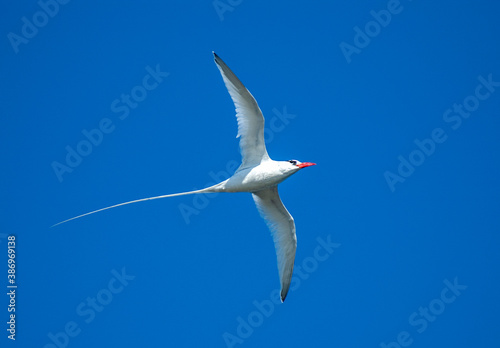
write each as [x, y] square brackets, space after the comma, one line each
[215, 55]
[283, 295]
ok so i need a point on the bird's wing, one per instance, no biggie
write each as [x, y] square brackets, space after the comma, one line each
[249, 117]
[282, 227]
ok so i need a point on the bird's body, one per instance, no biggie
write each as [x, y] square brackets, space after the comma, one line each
[267, 174]
[258, 174]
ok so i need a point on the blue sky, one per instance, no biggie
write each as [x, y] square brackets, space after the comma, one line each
[398, 224]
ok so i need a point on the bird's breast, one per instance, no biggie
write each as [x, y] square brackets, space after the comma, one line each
[254, 179]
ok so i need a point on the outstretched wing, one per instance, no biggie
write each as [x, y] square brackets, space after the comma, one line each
[249, 117]
[282, 227]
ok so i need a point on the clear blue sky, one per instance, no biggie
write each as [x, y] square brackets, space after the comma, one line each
[398, 224]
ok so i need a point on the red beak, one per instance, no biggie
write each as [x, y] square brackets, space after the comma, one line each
[305, 164]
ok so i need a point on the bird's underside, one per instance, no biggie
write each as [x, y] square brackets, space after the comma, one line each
[257, 174]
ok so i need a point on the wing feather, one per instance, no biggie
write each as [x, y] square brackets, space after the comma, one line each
[282, 227]
[249, 117]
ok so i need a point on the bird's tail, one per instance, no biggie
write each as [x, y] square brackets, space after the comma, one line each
[216, 188]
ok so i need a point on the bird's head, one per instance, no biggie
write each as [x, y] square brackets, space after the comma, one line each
[296, 165]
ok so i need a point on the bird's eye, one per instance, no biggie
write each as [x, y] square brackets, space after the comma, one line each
[293, 162]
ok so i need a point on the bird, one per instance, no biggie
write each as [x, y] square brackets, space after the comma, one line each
[258, 174]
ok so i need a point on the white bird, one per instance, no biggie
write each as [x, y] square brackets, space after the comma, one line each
[257, 174]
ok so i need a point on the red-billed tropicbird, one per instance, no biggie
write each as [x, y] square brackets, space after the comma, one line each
[257, 174]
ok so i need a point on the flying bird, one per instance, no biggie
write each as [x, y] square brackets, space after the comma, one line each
[257, 174]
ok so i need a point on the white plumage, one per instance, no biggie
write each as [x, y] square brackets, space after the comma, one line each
[257, 174]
